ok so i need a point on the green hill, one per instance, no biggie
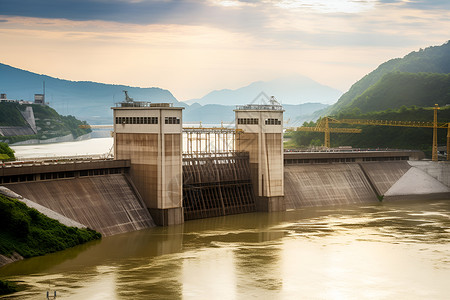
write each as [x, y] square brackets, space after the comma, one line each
[434, 59]
[49, 123]
[29, 233]
[397, 89]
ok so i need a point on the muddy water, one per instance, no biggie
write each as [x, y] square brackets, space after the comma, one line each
[382, 251]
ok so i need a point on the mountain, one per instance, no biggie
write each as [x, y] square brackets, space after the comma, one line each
[295, 89]
[92, 102]
[434, 59]
[398, 89]
[86, 100]
[294, 115]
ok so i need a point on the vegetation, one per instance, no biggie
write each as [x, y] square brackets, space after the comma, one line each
[382, 136]
[10, 115]
[29, 233]
[431, 60]
[397, 89]
[6, 153]
[49, 123]
[7, 287]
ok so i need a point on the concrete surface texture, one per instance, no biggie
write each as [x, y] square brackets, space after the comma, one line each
[262, 138]
[150, 137]
[42, 209]
[417, 182]
[383, 175]
[107, 204]
[328, 184]
[438, 170]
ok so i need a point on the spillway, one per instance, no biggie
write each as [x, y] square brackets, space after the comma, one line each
[107, 204]
[328, 184]
[383, 175]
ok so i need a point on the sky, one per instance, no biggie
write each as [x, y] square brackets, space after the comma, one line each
[192, 47]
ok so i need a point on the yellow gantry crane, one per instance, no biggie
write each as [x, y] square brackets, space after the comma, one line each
[324, 126]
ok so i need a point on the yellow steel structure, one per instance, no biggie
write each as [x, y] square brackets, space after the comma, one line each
[435, 125]
[324, 126]
[435, 146]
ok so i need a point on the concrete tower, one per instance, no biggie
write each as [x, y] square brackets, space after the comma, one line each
[263, 139]
[149, 134]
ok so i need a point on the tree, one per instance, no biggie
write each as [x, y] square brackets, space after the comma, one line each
[6, 153]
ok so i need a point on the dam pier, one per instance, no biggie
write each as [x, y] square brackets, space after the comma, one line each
[152, 180]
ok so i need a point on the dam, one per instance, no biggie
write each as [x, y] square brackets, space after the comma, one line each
[153, 181]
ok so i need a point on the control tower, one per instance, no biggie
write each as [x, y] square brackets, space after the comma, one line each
[263, 139]
[149, 135]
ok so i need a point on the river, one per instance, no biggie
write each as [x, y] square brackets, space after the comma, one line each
[96, 147]
[386, 250]
[382, 251]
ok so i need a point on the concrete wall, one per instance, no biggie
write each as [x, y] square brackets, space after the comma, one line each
[330, 184]
[106, 203]
[438, 170]
[423, 180]
[150, 137]
[383, 175]
[262, 139]
[345, 183]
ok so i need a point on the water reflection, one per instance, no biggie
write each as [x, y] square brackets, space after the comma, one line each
[326, 253]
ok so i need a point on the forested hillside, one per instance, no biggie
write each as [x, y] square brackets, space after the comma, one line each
[434, 59]
[49, 123]
[383, 136]
[404, 89]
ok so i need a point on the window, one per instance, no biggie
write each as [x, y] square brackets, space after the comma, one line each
[172, 120]
[272, 122]
[248, 121]
[138, 120]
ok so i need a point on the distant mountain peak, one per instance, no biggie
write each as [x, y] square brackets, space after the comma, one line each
[289, 89]
[87, 100]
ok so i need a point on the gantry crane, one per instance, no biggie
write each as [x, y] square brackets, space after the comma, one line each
[324, 126]
[435, 125]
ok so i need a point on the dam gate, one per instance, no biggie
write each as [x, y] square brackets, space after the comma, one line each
[216, 184]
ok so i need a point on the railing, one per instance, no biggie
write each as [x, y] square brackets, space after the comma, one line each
[259, 107]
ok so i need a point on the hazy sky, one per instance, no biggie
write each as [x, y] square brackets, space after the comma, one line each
[192, 47]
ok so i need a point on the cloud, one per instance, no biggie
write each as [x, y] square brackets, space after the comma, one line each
[186, 12]
[420, 4]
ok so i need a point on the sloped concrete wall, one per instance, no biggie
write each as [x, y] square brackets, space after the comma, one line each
[107, 204]
[438, 170]
[330, 184]
[383, 175]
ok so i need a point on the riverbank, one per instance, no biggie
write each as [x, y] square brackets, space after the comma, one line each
[25, 232]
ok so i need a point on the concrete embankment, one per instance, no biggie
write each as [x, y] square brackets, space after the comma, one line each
[382, 175]
[424, 180]
[107, 204]
[42, 209]
[328, 184]
[337, 184]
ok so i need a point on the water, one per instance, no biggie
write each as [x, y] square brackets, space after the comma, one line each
[381, 251]
[100, 146]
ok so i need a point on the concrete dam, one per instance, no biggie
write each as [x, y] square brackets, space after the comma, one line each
[153, 182]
